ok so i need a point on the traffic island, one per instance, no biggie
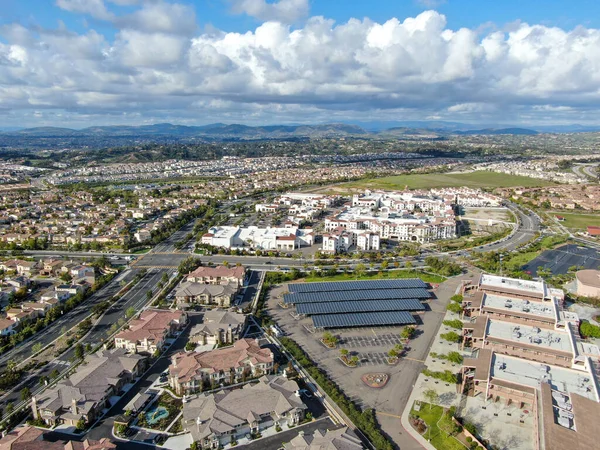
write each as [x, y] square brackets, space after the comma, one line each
[375, 380]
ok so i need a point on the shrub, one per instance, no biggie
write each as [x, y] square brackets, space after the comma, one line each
[458, 298]
[451, 336]
[589, 330]
[446, 376]
[453, 324]
[454, 307]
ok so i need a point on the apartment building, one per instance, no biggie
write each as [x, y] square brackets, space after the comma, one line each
[26, 437]
[189, 372]
[219, 327]
[190, 293]
[338, 439]
[88, 390]
[148, 333]
[218, 275]
[214, 420]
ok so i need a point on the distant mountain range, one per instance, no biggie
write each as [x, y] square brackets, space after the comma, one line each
[221, 131]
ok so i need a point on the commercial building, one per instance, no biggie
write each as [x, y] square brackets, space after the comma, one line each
[219, 327]
[189, 372]
[147, 334]
[587, 283]
[259, 238]
[527, 351]
[216, 419]
[86, 392]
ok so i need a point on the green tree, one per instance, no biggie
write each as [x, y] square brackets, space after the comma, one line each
[130, 312]
[454, 307]
[79, 351]
[432, 396]
[344, 352]
[149, 294]
[165, 278]
[54, 374]
[36, 348]
[360, 270]
[451, 336]
[25, 394]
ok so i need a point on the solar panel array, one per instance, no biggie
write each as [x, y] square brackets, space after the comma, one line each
[358, 303]
[344, 296]
[337, 286]
[360, 306]
[363, 319]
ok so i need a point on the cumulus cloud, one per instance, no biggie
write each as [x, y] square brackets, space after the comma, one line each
[94, 8]
[153, 69]
[162, 18]
[286, 11]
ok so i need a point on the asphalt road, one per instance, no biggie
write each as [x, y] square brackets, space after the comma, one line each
[68, 320]
[135, 298]
[528, 226]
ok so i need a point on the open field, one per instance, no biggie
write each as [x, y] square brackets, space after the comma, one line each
[426, 277]
[579, 221]
[480, 179]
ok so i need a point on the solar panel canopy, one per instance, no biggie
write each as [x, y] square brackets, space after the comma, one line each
[388, 294]
[359, 306]
[336, 286]
[363, 319]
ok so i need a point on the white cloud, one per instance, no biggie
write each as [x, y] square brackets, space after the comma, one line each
[158, 66]
[94, 8]
[431, 3]
[162, 18]
[286, 11]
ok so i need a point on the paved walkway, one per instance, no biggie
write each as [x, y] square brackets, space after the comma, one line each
[389, 416]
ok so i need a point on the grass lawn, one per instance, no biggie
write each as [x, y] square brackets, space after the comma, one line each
[438, 438]
[426, 277]
[141, 251]
[480, 179]
[579, 221]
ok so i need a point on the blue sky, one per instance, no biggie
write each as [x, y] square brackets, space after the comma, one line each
[460, 13]
[297, 61]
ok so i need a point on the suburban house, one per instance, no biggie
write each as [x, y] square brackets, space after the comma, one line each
[148, 333]
[338, 439]
[52, 267]
[19, 266]
[218, 275]
[69, 289]
[214, 420]
[86, 392]
[219, 327]
[30, 438]
[7, 327]
[189, 372]
[189, 293]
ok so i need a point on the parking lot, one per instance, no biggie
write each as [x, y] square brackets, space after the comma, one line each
[560, 259]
